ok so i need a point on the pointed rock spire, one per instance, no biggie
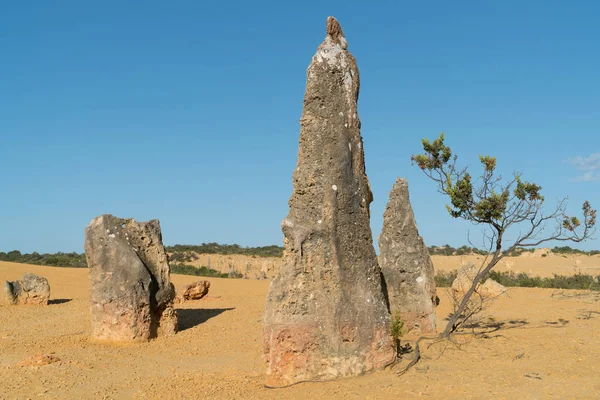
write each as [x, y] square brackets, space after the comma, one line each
[406, 265]
[326, 315]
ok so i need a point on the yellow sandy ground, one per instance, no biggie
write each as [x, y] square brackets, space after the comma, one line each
[538, 345]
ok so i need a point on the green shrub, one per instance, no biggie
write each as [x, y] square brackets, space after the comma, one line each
[448, 250]
[577, 281]
[445, 279]
[397, 330]
[512, 279]
[215, 248]
[186, 269]
[72, 260]
[518, 251]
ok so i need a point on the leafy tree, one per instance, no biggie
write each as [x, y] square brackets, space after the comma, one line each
[13, 256]
[498, 206]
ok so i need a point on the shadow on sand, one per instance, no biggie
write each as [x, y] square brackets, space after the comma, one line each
[59, 301]
[484, 329]
[492, 326]
[191, 317]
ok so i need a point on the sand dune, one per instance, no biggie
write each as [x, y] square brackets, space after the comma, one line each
[537, 346]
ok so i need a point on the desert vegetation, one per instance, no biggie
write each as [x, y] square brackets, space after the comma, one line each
[177, 254]
[188, 262]
[186, 269]
[71, 260]
[179, 250]
[499, 207]
[447, 250]
[444, 279]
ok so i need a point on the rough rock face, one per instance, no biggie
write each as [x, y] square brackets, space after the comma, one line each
[406, 265]
[131, 294]
[194, 291]
[326, 316]
[464, 279]
[31, 290]
[491, 288]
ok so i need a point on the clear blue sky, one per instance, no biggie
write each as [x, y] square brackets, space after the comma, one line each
[187, 111]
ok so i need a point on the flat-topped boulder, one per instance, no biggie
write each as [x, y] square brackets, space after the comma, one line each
[130, 289]
[326, 315]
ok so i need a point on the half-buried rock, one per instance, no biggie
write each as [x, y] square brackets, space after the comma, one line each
[406, 265]
[32, 289]
[131, 293]
[326, 316]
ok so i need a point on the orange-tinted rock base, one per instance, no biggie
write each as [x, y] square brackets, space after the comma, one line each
[295, 354]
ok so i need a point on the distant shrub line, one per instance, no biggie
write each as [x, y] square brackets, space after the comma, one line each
[512, 279]
[448, 250]
[228, 249]
[72, 260]
[186, 269]
[181, 254]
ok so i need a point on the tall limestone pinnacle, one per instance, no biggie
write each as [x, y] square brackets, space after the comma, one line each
[326, 314]
[406, 265]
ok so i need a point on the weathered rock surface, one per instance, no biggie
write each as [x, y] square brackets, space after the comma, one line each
[32, 289]
[194, 291]
[326, 315]
[491, 288]
[131, 294]
[464, 279]
[405, 263]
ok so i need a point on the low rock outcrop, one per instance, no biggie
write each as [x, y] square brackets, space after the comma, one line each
[464, 280]
[32, 289]
[131, 294]
[491, 288]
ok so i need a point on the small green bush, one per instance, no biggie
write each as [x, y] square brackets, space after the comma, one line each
[445, 279]
[186, 269]
[70, 260]
[512, 279]
[216, 248]
[397, 330]
[518, 251]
